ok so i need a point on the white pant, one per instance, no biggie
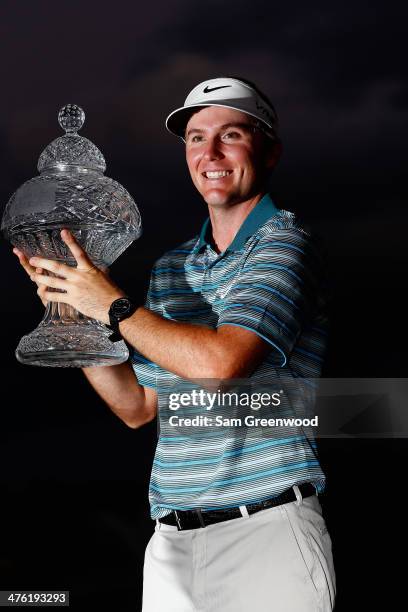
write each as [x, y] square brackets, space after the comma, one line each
[277, 560]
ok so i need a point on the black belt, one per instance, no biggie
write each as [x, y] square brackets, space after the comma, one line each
[192, 519]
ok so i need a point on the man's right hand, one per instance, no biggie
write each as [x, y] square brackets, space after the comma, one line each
[41, 289]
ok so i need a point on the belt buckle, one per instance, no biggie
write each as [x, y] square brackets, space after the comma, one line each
[197, 512]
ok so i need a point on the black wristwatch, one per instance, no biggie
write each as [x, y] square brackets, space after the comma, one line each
[120, 309]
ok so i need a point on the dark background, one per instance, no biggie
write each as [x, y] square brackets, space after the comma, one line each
[73, 508]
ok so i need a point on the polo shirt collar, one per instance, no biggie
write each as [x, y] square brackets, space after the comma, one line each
[263, 211]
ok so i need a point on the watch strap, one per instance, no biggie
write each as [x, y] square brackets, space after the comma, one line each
[115, 319]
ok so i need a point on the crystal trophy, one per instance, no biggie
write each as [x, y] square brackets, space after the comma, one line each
[71, 192]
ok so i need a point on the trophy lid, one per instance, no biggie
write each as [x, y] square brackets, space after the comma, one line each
[72, 192]
[71, 150]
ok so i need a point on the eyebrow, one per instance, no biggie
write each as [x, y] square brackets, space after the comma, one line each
[223, 127]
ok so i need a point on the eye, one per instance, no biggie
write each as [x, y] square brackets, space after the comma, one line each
[196, 138]
[231, 135]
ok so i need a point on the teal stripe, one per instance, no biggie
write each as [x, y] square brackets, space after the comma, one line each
[267, 288]
[173, 292]
[274, 243]
[184, 313]
[199, 289]
[180, 270]
[242, 502]
[235, 453]
[138, 358]
[263, 311]
[265, 266]
[220, 483]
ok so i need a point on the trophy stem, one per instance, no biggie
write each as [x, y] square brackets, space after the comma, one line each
[66, 338]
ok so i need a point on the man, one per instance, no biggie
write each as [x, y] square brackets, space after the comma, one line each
[238, 520]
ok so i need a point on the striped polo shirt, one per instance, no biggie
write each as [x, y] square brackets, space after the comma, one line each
[270, 280]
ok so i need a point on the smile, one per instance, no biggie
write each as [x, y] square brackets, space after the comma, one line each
[216, 174]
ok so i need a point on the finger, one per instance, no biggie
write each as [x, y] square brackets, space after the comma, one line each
[19, 254]
[23, 261]
[40, 292]
[81, 257]
[53, 296]
[50, 281]
[29, 269]
[52, 266]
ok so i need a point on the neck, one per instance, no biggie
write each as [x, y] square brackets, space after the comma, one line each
[226, 222]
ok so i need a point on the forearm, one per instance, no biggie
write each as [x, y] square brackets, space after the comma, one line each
[118, 387]
[190, 351]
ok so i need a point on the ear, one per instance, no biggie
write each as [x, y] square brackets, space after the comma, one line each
[273, 154]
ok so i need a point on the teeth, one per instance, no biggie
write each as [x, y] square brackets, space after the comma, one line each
[218, 174]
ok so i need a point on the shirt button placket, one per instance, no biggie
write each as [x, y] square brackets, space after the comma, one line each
[207, 271]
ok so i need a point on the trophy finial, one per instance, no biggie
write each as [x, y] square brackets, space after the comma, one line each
[71, 118]
[71, 149]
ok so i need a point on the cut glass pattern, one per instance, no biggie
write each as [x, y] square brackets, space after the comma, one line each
[71, 192]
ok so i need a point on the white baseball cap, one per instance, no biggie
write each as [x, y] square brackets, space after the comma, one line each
[227, 92]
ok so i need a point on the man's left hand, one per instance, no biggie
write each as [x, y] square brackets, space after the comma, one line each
[87, 288]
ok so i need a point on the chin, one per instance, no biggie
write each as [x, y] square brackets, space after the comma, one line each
[218, 198]
[215, 200]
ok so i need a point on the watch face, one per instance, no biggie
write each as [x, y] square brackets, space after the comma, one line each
[121, 306]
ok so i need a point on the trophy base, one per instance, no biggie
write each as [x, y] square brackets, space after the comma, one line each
[64, 345]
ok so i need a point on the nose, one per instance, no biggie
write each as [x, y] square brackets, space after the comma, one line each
[212, 150]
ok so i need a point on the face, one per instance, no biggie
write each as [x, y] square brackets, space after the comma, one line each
[226, 155]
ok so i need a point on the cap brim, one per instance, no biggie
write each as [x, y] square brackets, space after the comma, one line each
[177, 121]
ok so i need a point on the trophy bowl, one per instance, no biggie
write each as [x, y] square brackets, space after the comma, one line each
[71, 193]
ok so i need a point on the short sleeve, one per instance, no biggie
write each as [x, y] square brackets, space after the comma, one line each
[277, 290]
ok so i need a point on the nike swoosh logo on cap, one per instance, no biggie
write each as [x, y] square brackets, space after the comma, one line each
[208, 89]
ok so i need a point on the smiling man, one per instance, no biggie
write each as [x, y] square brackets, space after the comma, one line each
[236, 177]
[238, 520]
